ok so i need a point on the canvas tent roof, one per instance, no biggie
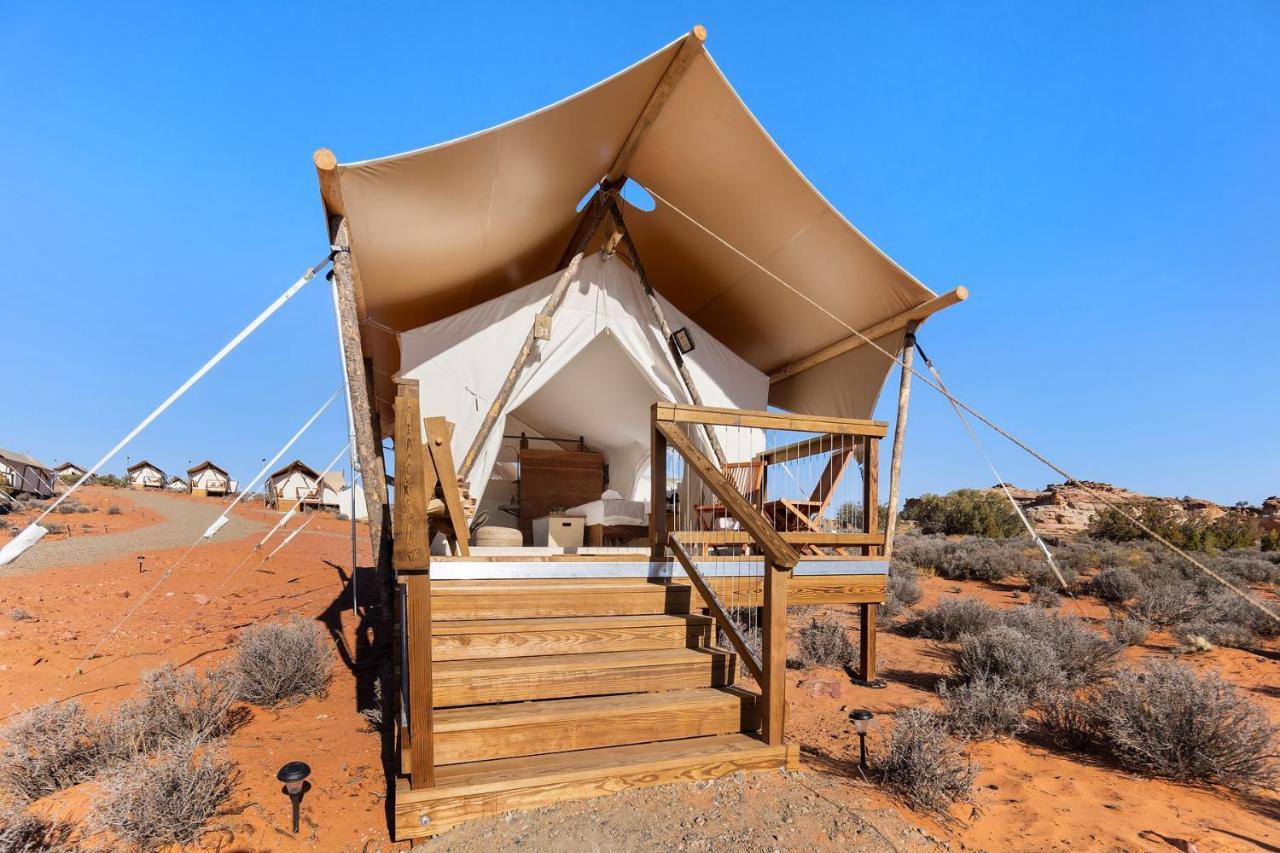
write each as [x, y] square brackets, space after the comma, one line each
[143, 464]
[22, 459]
[296, 465]
[439, 230]
[206, 464]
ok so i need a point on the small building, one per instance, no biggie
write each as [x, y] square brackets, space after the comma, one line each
[144, 475]
[21, 474]
[299, 483]
[69, 471]
[208, 479]
[178, 484]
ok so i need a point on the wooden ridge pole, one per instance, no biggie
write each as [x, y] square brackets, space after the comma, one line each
[879, 330]
[899, 436]
[656, 306]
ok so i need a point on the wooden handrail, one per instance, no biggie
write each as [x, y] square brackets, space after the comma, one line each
[717, 610]
[750, 517]
[685, 414]
[804, 537]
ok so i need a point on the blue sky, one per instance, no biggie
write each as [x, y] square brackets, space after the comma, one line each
[1102, 176]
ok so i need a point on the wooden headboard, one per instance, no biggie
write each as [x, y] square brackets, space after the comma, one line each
[556, 478]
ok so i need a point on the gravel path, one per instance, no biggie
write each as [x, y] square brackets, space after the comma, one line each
[184, 521]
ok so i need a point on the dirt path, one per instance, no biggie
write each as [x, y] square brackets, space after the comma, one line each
[184, 521]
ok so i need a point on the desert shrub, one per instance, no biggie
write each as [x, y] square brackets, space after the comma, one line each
[114, 510]
[1247, 568]
[150, 803]
[1116, 584]
[825, 643]
[1020, 662]
[1083, 554]
[84, 510]
[19, 614]
[984, 707]
[54, 527]
[1235, 529]
[374, 718]
[921, 763]
[280, 662]
[1083, 656]
[24, 832]
[749, 624]
[969, 512]
[1203, 636]
[923, 553]
[68, 508]
[173, 706]
[976, 558]
[47, 748]
[1067, 718]
[903, 590]
[1127, 631]
[951, 618]
[1271, 540]
[1166, 600]
[1045, 596]
[1040, 575]
[1166, 720]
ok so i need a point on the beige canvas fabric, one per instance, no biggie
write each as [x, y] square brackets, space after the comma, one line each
[442, 229]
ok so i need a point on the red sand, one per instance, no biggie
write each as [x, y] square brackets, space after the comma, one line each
[78, 524]
[1030, 798]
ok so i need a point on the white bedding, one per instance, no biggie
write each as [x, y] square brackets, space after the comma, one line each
[611, 511]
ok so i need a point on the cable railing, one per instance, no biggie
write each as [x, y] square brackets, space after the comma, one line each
[792, 488]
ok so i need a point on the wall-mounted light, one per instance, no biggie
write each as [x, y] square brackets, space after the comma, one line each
[682, 340]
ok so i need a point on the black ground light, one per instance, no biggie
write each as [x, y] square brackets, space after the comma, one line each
[294, 776]
[862, 721]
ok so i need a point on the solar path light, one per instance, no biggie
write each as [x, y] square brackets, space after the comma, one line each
[862, 718]
[294, 776]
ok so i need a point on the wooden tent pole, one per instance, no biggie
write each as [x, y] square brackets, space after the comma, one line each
[656, 306]
[899, 435]
[364, 413]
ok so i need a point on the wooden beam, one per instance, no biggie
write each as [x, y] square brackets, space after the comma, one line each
[327, 173]
[867, 644]
[810, 537]
[879, 330]
[522, 359]
[412, 557]
[899, 436]
[871, 489]
[657, 493]
[655, 305]
[761, 529]
[364, 413]
[712, 601]
[685, 54]
[773, 642]
[438, 446]
[592, 215]
[806, 447]
[682, 414]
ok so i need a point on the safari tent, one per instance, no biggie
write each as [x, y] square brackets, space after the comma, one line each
[299, 483]
[143, 475]
[620, 431]
[69, 471]
[24, 475]
[208, 479]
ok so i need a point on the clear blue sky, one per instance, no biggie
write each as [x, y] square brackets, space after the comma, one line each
[1104, 177]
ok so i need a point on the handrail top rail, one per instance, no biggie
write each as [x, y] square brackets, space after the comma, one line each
[716, 416]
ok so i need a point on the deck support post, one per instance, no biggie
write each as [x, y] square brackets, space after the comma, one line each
[867, 646]
[899, 435]
[412, 559]
[364, 407]
[773, 642]
[657, 490]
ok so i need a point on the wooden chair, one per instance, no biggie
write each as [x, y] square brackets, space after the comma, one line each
[747, 477]
[806, 516]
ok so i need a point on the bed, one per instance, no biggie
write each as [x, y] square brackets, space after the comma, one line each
[613, 520]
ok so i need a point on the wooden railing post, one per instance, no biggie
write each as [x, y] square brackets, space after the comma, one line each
[871, 489]
[411, 557]
[657, 489]
[773, 642]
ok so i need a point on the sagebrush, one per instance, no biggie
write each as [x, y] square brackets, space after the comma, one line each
[823, 642]
[951, 618]
[172, 706]
[47, 748]
[282, 662]
[921, 764]
[24, 832]
[984, 707]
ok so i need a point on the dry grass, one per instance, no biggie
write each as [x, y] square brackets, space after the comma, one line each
[282, 663]
[173, 706]
[24, 832]
[47, 748]
[1166, 720]
[170, 799]
[922, 766]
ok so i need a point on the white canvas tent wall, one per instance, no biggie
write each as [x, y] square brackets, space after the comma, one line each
[605, 364]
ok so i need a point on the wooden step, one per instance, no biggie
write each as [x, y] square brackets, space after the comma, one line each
[480, 682]
[492, 638]
[474, 600]
[479, 789]
[484, 732]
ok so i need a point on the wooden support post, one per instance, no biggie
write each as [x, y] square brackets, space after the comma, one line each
[867, 646]
[870, 488]
[657, 491]
[899, 436]
[656, 306]
[364, 408]
[773, 642]
[412, 558]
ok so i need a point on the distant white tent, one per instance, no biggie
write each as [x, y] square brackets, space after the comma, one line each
[344, 503]
[603, 366]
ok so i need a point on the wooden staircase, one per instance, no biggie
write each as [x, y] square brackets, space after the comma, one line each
[546, 691]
